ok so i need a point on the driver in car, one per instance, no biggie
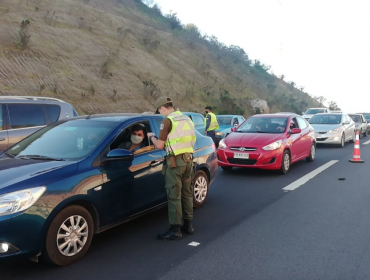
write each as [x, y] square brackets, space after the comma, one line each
[136, 142]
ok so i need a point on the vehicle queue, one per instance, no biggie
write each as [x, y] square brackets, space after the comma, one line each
[75, 176]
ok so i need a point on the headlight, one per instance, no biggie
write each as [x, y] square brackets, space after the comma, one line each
[222, 144]
[273, 146]
[219, 133]
[19, 201]
[334, 131]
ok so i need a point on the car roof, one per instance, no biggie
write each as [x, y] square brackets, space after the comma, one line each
[317, 108]
[229, 116]
[274, 115]
[330, 114]
[191, 113]
[30, 99]
[116, 117]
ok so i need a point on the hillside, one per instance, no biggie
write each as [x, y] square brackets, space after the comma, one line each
[119, 56]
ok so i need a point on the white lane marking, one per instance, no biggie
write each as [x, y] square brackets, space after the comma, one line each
[366, 143]
[309, 176]
[195, 244]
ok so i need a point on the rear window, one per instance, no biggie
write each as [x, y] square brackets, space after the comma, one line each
[53, 112]
[26, 115]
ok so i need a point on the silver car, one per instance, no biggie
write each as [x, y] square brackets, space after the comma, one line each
[361, 124]
[21, 116]
[333, 128]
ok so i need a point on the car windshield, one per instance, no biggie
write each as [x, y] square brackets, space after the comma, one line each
[326, 119]
[224, 120]
[264, 125]
[314, 111]
[367, 116]
[63, 141]
[356, 118]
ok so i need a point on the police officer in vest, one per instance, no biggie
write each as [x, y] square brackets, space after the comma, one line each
[177, 136]
[211, 123]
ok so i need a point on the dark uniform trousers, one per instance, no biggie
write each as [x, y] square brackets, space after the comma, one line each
[179, 189]
[212, 134]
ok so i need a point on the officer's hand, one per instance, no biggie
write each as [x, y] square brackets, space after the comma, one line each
[150, 134]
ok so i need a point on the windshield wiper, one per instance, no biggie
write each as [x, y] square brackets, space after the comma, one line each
[10, 155]
[39, 157]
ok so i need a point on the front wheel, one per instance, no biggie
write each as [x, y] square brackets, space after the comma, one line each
[361, 134]
[365, 133]
[342, 141]
[201, 184]
[69, 236]
[312, 155]
[285, 163]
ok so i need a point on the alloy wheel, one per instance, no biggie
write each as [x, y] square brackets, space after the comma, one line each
[313, 151]
[200, 189]
[72, 235]
[286, 161]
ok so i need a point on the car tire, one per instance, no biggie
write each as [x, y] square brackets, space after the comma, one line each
[285, 162]
[312, 155]
[342, 141]
[226, 168]
[361, 134]
[75, 243]
[200, 188]
[365, 133]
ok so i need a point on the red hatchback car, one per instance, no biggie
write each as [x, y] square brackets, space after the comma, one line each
[271, 141]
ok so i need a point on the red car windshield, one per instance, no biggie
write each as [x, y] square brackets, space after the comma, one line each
[264, 125]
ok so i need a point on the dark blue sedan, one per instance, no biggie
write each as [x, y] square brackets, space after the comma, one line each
[69, 181]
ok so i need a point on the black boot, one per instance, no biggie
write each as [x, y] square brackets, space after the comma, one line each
[173, 233]
[187, 227]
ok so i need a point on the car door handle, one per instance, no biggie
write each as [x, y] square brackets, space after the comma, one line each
[155, 163]
[2, 139]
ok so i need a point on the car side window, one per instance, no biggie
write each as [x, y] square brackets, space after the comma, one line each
[53, 112]
[26, 115]
[125, 141]
[235, 121]
[240, 119]
[295, 124]
[1, 117]
[198, 120]
[302, 123]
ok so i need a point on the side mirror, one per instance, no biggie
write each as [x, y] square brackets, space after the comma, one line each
[233, 129]
[296, 131]
[120, 154]
[302, 113]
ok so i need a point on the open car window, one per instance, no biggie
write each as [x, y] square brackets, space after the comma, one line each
[123, 141]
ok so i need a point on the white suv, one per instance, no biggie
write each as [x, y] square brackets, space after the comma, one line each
[313, 111]
[21, 116]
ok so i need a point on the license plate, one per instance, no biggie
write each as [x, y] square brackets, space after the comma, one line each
[241, 155]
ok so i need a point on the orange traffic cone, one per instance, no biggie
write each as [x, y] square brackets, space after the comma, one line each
[356, 152]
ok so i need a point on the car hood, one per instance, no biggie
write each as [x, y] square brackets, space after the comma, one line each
[238, 139]
[325, 127]
[223, 127]
[14, 171]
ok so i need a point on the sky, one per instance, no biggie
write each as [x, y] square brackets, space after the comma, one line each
[322, 45]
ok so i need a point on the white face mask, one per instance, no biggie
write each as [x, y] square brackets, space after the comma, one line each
[136, 139]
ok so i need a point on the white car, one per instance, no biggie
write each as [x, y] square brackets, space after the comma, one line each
[333, 128]
[313, 111]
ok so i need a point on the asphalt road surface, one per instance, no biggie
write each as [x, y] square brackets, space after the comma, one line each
[249, 228]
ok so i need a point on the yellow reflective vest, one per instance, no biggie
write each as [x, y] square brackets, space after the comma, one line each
[214, 124]
[181, 138]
